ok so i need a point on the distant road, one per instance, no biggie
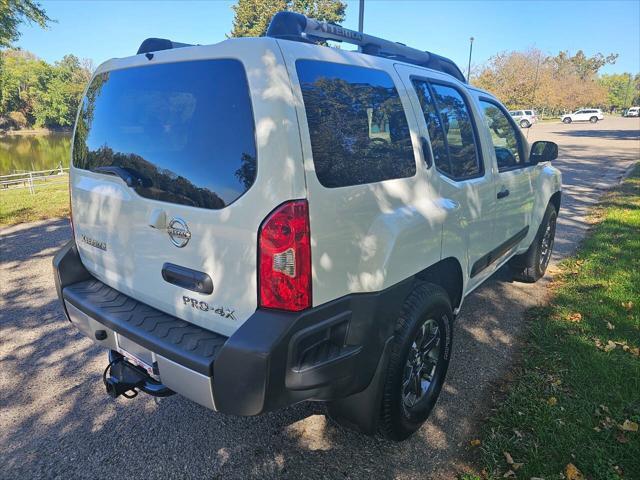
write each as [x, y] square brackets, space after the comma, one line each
[57, 422]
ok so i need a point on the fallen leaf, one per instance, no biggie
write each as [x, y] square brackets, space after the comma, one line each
[572, 472]
[516, 466]
[574, 317]
[635, 351]
[508, 458]
[509, 474]
[610, 326]
[621, 438]
[628, 305]
[552, 401]
[629, 426]
[475, 442]
[609, 346]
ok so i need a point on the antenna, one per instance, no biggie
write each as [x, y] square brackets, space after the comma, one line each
[296, 27]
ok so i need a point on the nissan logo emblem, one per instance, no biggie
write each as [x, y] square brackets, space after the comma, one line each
[179, 232]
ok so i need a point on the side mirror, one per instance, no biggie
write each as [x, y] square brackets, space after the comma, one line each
[543, 151]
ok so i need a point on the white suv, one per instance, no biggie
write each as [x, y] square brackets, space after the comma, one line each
[524, 118]
[584, 115]
[266, 220]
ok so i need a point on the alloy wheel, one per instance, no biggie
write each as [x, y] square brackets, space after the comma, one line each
[422, 364]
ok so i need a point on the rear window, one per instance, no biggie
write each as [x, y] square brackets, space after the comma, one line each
[183, 131]
[358, 128]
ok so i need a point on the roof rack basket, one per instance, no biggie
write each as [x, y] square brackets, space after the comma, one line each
[297, 27]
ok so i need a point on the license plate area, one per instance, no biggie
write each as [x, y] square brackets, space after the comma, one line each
[135, 354]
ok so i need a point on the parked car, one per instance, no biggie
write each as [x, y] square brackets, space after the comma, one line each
[266, 221]
[524, 118]
[633, 112]
[592, 115]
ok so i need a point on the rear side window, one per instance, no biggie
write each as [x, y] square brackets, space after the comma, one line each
[450, 129]
[184, 131]
[357, 125]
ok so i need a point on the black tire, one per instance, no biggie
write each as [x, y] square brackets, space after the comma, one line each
[531, 265]
[593, 119]
[524, 124]
[566, 120]
[429, 306]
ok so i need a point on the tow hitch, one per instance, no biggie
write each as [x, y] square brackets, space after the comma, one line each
[122, 378]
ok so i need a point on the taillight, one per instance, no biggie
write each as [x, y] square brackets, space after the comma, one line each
[284, 257]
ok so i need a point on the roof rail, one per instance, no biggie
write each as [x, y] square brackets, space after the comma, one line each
[157, 44]
[297, 27]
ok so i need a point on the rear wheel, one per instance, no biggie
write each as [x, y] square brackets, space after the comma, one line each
[531, 265]
[593, 119]
[525, 123]
[566, 120]
[418, 363]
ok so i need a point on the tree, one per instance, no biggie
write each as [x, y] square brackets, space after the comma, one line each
[251, 17]
[552, 84]
[44, 94]
[15, 12]
[620, 89]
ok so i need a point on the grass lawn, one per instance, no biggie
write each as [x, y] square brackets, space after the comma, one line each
[574, 406]
[18, 205]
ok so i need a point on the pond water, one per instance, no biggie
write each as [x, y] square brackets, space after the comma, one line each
[20, 153]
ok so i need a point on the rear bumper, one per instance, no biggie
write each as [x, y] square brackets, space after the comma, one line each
[274, 359]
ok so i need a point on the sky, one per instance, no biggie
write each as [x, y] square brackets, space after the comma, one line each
[100, 30]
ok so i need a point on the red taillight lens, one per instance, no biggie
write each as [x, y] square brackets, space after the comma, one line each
[284, 256]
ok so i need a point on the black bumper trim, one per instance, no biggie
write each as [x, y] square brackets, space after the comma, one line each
[183, 342]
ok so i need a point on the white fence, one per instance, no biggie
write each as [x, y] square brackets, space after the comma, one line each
[33, 180]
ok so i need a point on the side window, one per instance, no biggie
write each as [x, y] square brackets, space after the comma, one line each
[504, 135]
[358, 127]
[450, 129]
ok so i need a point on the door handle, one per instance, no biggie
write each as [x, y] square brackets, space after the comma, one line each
[503, 193]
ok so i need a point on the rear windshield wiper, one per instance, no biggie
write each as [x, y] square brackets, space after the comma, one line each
[131, 178]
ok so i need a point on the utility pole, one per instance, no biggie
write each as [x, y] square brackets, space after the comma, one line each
[470, 50]
[361, 17]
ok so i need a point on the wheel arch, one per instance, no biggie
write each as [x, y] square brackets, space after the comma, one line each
[556, 199]
[446, 273]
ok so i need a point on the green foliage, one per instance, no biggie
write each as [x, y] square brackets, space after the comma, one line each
[623, 90]
[15, 12]
[252, 17]
[46, 95]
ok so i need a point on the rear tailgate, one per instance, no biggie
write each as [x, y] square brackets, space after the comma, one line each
[176, 162]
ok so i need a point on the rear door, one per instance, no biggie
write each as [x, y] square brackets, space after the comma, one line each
[465, 186]
[514, 183]
[169, 157]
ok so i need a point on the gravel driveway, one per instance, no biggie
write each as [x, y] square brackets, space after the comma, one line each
[57, 421]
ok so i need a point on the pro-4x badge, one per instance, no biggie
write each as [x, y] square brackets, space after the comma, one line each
[179, 233]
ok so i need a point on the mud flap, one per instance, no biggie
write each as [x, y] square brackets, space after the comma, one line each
[361, 411]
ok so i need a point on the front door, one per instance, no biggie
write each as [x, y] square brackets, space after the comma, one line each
[514, 188]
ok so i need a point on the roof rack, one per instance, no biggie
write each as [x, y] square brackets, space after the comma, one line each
[297, 27]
